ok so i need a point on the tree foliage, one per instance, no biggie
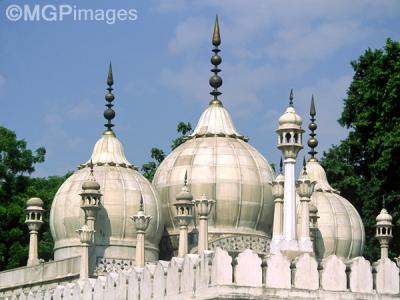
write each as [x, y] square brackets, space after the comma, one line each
[365, 166]
[158, 155]
[16, 187]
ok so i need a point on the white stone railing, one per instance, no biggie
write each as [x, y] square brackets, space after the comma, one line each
[213, 274]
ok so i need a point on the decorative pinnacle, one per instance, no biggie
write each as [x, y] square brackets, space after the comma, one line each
[141, 203]
[312, 141]
[91, 167]
[109, 113]
[215, 80]
[291, 98]
[185, 180]
[383, 202]
[280, 166]
[304, 165]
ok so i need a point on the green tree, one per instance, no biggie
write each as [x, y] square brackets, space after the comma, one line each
[365, 166]
[158, 155]
[16, 187]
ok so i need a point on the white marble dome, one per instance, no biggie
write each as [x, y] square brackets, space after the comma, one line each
[340, 228]
[122, 187]
[221, 164]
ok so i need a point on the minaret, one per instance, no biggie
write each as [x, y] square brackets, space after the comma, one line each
[34, 219]
[142, 222]
[109, 113]
[277, 193]
[289, 142]
[384, 231]
[184, 215]
[203, 209]
[90, 204]
[305, 188]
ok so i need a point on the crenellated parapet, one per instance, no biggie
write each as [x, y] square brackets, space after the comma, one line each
[213, 274]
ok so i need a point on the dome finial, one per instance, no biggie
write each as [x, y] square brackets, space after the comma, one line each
[109, 113]
[291, 98]
[280, 166]
[383, 202]
[91, 167]
[215, 80]
[141, 203]
[185, 180]
[312, 141]
[304, 164]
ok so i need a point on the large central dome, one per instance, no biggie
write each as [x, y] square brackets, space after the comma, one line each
[223, 166]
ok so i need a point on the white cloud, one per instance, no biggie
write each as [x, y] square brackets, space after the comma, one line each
[316, 43]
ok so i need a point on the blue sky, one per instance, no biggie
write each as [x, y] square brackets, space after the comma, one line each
[52, 74]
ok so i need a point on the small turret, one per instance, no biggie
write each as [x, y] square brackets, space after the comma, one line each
[34, 219]
[184, 215]
[384, 231]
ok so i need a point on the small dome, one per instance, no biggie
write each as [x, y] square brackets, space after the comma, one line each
[184, 194]
[384, 218]
[312, 208]
[340, 228]
[90, 184]
[289, 119]
[280, 178]
[34, 202]
[122, 188]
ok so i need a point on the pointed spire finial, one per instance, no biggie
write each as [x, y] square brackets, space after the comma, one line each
[109, 113]
[110, 78]
[383, 202]
[215, 80]
[312, 141]
[312, 107]
[280, 166]
[216, 36]
[185, 180]
[291, 98]
[304, 164]
[141, 203]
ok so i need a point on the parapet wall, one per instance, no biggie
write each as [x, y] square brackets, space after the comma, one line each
[43, 275]
[214, 275]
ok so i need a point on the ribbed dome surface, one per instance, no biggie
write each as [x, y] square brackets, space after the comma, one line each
[341, 230]
[122, 188]
[220, 164]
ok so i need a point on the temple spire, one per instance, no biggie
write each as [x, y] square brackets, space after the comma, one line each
[109, 113]
[215, 80]
[312, 141]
